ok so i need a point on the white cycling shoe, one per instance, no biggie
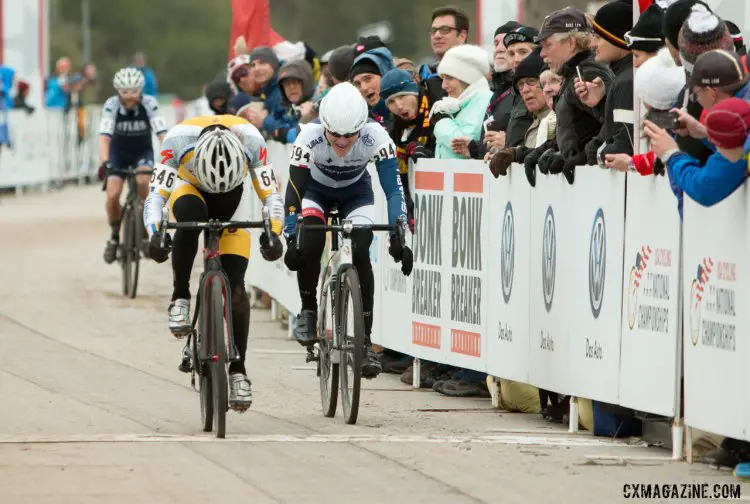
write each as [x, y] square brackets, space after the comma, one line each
[240, 392]
[179, 317]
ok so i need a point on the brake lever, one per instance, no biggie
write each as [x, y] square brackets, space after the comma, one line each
[400, 231]
[163, 228]
[300, 231]
[266, 222]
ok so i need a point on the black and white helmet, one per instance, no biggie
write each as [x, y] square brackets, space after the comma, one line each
[220, 160]
[129, 78]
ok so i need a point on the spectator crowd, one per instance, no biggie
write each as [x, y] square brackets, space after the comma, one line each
[555, 100]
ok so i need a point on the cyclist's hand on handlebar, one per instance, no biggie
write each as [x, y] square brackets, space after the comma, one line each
[155, 250]
[401, 254]
[271, 249]
[103, 168]
[293, 257]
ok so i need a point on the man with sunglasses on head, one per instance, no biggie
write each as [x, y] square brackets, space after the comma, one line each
[328, 166]
[128, 120]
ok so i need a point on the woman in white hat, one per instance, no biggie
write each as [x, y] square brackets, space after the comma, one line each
[459, 116]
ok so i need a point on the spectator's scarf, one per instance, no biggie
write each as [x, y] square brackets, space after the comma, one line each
[451, 106]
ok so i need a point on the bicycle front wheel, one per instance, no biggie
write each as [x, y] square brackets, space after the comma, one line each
[135, 247]
[351, 340]
[218, 355]
[328, 371]
[125, 250]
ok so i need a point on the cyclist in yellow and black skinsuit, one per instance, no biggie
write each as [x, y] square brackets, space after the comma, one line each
[207, 167]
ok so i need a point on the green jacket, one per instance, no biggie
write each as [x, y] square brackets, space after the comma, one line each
[468, 122]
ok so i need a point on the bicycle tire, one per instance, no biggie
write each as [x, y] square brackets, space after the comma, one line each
[351, 346]
[218, 363]
[328, 371]
[125, 247]
[204, 369]
[135, 248]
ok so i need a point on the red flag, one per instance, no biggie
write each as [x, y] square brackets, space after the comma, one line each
[252, 20]
[643, 5]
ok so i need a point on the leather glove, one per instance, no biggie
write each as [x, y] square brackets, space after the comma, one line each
[543, 161]
[293, 257]
[551, 162]
[401, 254]
[103, 169]
[569, 170]
[591, 149]
[530, 170]
[501, 161]
[271, 249]
[417, 150]
[532, 158]
[155, 250]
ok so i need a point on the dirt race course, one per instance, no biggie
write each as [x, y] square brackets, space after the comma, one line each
[95, 411]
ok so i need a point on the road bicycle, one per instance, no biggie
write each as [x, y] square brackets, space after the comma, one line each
[213, 347]
[341, 325]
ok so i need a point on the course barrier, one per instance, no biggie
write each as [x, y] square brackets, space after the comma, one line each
[579, 289]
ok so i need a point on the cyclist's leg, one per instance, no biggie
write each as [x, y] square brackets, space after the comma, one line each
[314, 210]
[360, 209]
[234, 248]
[145, 162]
[187, 204]
[114, 209]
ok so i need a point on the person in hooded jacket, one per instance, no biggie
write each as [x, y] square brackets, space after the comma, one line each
[366, 73]
[409, 104]
[297, 88]
[218, 94]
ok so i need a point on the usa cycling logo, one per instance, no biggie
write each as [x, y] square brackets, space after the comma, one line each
[697, 291]
[597, 263]
[549, 258]
[507, 255]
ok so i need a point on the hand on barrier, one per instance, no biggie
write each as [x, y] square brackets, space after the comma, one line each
[569, 170]
[156, 251]
[530, 169]
[416, 150]
[293, 257]
[103, 169]
[501, 161]
[271, 249]
[591, 149]
[551, 162]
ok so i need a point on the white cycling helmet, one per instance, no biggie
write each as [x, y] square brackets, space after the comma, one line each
[220, 160]
[343, 110]
[129, 78]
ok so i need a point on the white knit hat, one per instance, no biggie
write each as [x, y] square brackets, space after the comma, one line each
[467, 63]
[659, 81]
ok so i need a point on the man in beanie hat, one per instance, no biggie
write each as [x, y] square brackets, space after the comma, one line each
[367, 71]
[565, 39]
[498, 112]
[674, 17]
[527, 86]
[646, 37]
[717, 77]
[611, 23]
[520, 43]
[701, 32]
[728, 127]
[410, 107]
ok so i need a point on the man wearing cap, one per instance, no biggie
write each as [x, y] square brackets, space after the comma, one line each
[565, 38]
[520, 43]
[717, 76]
[367, 71]
[611, 23]
[498, 112]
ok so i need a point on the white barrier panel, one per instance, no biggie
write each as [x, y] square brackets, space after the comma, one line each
[552, 244]
[716, 348]
[650, 309]
[27, 162]
[509, 269]
[596, 206]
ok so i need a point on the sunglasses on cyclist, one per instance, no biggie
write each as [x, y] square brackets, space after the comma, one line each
[337, 135]
[130, 93]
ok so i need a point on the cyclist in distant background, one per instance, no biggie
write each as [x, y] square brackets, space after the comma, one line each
[204, 175]
[128, 120]
[329, 166]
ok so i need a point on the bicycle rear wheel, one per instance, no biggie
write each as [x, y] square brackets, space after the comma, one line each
[328, 371]
[135, 247]
[125, 249]
[218, 363]
[351, 340]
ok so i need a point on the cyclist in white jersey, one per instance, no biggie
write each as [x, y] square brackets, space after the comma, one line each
[329, 166]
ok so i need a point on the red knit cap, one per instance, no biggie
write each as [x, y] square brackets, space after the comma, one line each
[728, 123]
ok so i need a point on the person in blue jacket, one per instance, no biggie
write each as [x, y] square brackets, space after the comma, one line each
[151, 87]
[718, 75]
[367, 71]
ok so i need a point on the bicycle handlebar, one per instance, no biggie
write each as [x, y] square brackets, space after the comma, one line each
[213, 224]
[128, 173]
[347, 227]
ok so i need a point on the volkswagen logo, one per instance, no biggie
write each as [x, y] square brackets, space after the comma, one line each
[549, 257]
[597, 263]
[507, 255]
